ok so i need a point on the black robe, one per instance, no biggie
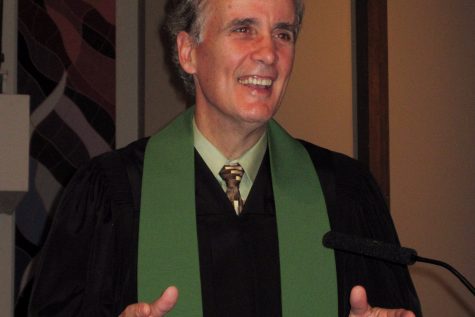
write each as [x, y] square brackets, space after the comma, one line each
[88, 266]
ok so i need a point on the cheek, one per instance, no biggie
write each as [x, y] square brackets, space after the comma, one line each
[287, 61]
[217, 65]
[230, 61]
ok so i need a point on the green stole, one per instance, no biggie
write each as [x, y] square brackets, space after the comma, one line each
[168, 241]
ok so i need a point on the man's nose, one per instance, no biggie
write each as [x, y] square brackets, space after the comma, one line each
[265, 50]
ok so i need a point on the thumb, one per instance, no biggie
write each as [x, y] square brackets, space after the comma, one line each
[165, 303]
[359, 302]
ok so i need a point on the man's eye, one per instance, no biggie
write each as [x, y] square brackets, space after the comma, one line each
[242, 29]
[285, 36]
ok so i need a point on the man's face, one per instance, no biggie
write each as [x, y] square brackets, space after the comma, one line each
[243, 60]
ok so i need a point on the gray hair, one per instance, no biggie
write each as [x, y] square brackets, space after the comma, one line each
[185, 15]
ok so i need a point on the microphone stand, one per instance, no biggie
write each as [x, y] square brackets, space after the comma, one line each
[450, 268]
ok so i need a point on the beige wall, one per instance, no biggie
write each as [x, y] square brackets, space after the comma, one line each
[9, 195]
[128, 72]
[318, 105]
[163, 104]
[432, 151]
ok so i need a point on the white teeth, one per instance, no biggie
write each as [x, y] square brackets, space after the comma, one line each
[255, 81]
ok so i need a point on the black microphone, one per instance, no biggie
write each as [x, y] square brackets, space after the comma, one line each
[384, 251]
[372, 248]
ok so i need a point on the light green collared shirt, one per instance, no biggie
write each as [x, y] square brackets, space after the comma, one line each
[250, 161]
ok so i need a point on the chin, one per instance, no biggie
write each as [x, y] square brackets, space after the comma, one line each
[258, 117]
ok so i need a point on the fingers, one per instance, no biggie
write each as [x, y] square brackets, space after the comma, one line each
[381, 312]
[137, 310]
[361, 308]
[158, 308]
[359, 302]
[165, 303]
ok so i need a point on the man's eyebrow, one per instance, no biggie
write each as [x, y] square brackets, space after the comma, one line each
[286, 26]
[291, 27]
[240, 22]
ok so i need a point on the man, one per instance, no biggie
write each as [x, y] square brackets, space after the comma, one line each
[249, 249]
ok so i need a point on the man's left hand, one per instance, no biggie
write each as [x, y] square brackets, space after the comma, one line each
[361, 308]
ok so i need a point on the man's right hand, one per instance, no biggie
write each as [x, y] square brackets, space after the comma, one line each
[361, 308]
[158, 308]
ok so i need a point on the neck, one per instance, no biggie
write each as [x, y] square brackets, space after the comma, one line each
[231, 139]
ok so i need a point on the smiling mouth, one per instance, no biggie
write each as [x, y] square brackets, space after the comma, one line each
[255, 81]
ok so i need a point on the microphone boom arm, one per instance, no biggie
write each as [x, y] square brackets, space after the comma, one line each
[449, 268]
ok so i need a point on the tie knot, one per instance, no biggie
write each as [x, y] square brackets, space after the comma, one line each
[232, 174]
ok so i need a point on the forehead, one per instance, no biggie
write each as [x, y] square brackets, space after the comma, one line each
[273, 10]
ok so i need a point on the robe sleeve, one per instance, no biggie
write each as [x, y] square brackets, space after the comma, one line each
[361, 210]
[83, 269]
[357, 207]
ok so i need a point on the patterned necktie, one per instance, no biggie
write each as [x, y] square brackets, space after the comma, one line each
[232, 175]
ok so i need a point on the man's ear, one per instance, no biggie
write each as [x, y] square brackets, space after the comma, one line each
[185, 46]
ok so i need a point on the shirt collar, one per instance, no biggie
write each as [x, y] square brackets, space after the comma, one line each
[214, 159]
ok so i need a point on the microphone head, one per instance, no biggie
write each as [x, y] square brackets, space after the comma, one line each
[371, 248]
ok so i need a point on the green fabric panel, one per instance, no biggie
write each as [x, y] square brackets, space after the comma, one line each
[308, 270]
[168, 241]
